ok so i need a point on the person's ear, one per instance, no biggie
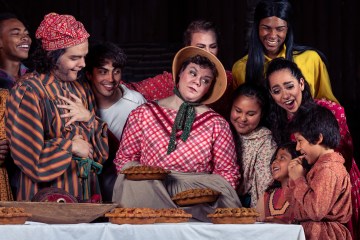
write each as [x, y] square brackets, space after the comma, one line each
[302, 84]
[320, 139]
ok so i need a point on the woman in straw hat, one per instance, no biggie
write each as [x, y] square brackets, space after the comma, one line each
[180, 133]
[55, 137]
[199, 33]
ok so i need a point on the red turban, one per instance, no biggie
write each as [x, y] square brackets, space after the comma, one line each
[60, 31]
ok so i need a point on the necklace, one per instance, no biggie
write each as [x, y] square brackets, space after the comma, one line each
[273, 210]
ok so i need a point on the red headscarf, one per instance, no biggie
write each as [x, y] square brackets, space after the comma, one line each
[60, 31]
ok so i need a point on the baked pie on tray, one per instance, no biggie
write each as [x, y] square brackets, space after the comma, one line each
[172, 215]
[234, 216]
[196, 196]
[138, 173]
[12, 215]
[132, 215]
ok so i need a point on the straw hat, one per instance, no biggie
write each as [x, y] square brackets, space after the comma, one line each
[221, 81]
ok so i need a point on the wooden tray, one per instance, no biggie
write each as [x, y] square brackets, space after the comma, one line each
[61, 213]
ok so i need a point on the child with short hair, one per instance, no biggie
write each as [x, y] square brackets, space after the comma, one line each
[273, 205]
[320, 198]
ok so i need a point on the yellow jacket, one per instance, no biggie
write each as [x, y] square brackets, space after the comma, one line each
[311, 66]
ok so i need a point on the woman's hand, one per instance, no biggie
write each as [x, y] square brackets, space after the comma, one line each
[81, 148]
[77, 110]
[4, 150]
[296, 169]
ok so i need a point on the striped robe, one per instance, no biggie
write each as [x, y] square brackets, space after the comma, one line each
[40, 144]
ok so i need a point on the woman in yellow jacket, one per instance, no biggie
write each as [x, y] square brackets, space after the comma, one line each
[271, 37]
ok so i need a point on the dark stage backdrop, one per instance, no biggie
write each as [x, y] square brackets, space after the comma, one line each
[150, 31]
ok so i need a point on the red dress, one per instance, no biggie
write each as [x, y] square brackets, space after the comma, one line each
[276, 205]
[154, 88]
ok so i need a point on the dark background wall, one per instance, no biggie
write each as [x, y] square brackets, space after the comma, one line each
[150, 31]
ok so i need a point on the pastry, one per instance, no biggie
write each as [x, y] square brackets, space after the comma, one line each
[196, 196]
[12, 215]
[132, 216]
[172, 215]
[145, 173]
[234, 215]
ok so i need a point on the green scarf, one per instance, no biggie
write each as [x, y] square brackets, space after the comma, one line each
[183, 121]
[85, 166]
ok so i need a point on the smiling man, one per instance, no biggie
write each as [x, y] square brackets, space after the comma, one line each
[14, 47]
[104, 65]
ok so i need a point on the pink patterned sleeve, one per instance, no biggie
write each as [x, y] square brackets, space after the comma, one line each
[154, 88]
[224, 155]
[346, 144]
[130, 145]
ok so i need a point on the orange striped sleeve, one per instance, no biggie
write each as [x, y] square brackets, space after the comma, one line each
[40, 159]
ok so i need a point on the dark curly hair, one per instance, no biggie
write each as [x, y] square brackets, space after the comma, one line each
[44, 61]
[102, 51]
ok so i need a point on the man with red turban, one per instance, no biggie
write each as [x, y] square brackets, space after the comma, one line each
[55, 137]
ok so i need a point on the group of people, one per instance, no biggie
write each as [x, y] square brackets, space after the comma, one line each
[269, 135]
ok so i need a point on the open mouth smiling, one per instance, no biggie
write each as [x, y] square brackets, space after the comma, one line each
[24, 46]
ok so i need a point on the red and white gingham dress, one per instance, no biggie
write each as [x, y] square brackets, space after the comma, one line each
[209, 148]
